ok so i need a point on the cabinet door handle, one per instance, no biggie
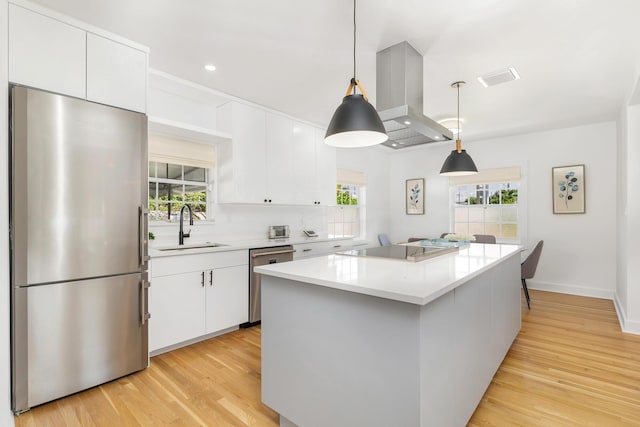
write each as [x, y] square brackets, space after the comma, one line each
[210, 277]
[202, 281]
[337, 246]
[307, 250]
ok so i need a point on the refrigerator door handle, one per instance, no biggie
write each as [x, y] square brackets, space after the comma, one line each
[144, 315]
[142, 237]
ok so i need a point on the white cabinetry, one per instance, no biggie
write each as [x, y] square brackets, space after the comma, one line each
[46, 52]
[311, 249]
[176, 305]
[273, 159]
[192, 296]
[227, 298]
[242, 168]
[116, 74]
[325, 171]
[280, 177]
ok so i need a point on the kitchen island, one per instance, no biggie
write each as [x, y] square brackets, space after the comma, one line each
[350, 341]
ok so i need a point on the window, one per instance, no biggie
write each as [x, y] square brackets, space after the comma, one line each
[347, 217]
[486, 209]
[344, 218]
[171, 186]
[179, 173]
[488, 203]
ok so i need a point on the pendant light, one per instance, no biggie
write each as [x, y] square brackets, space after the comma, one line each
[459, 162]
[355, 123]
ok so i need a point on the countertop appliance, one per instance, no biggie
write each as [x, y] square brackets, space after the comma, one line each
[257, 257]
[78, 232]
[278, 231]
[401, 252]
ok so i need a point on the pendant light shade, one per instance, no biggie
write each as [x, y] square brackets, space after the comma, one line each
[458, 163]
[355, 123]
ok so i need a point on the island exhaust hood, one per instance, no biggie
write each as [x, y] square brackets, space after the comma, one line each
[399, 99]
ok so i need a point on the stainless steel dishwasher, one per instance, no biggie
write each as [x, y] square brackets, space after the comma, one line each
[257, 257]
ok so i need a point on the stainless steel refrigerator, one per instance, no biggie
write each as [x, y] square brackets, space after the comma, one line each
[78, 231]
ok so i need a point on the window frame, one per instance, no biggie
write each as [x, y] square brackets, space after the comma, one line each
[340, 208]
[519, 209]
[185, 183]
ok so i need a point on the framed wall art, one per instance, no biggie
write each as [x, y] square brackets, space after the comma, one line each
[568, 189]
[415, 196]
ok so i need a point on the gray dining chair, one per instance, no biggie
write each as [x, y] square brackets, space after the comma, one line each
[384, 240]
[485, 238]
[528, 269]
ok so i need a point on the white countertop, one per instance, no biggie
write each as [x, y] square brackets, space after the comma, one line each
[413, 282]
[234, 245]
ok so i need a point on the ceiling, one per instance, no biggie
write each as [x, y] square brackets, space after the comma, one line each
[577, 58]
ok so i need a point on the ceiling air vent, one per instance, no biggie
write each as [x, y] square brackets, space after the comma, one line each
[498, 77]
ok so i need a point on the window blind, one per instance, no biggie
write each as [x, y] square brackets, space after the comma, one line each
[487, 176]
[346, 176]
[176, 151]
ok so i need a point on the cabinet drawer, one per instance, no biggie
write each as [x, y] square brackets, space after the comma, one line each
[305, 250]
[164, 266]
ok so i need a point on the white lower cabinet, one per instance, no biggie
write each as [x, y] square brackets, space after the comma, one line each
[311, 249]
[226, 301]
[195, 295]
[177, 309]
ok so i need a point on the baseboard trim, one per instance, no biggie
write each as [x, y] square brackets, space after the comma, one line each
[571, 289]
[627, 326]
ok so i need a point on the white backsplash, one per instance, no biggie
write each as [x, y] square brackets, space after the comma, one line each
[246, 222]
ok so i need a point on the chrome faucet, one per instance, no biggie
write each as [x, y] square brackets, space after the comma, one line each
[182, 234]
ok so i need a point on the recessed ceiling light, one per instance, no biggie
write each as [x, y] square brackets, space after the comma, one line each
[407, 122]
[210, 67]
[437, 137]
[394, 145]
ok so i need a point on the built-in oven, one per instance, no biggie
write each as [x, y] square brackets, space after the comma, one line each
[257, 257]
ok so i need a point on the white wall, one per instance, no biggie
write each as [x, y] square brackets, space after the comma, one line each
[6, 419]
[374, 162]
[621, 299]
[579, 252]
[628, 231]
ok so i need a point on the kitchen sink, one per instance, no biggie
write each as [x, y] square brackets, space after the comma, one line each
[192, 246]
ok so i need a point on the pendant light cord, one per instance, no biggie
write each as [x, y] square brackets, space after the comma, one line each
[458, 85]
[354, 45]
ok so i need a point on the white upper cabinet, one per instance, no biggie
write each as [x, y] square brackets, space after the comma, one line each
[304, 166]
[325, 182]
[46, 53]
[242, 164]
[273, 159]
[116, 74]
[280, 132]
[52, 52]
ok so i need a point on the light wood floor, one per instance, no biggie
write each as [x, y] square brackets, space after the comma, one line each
[569, 366]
